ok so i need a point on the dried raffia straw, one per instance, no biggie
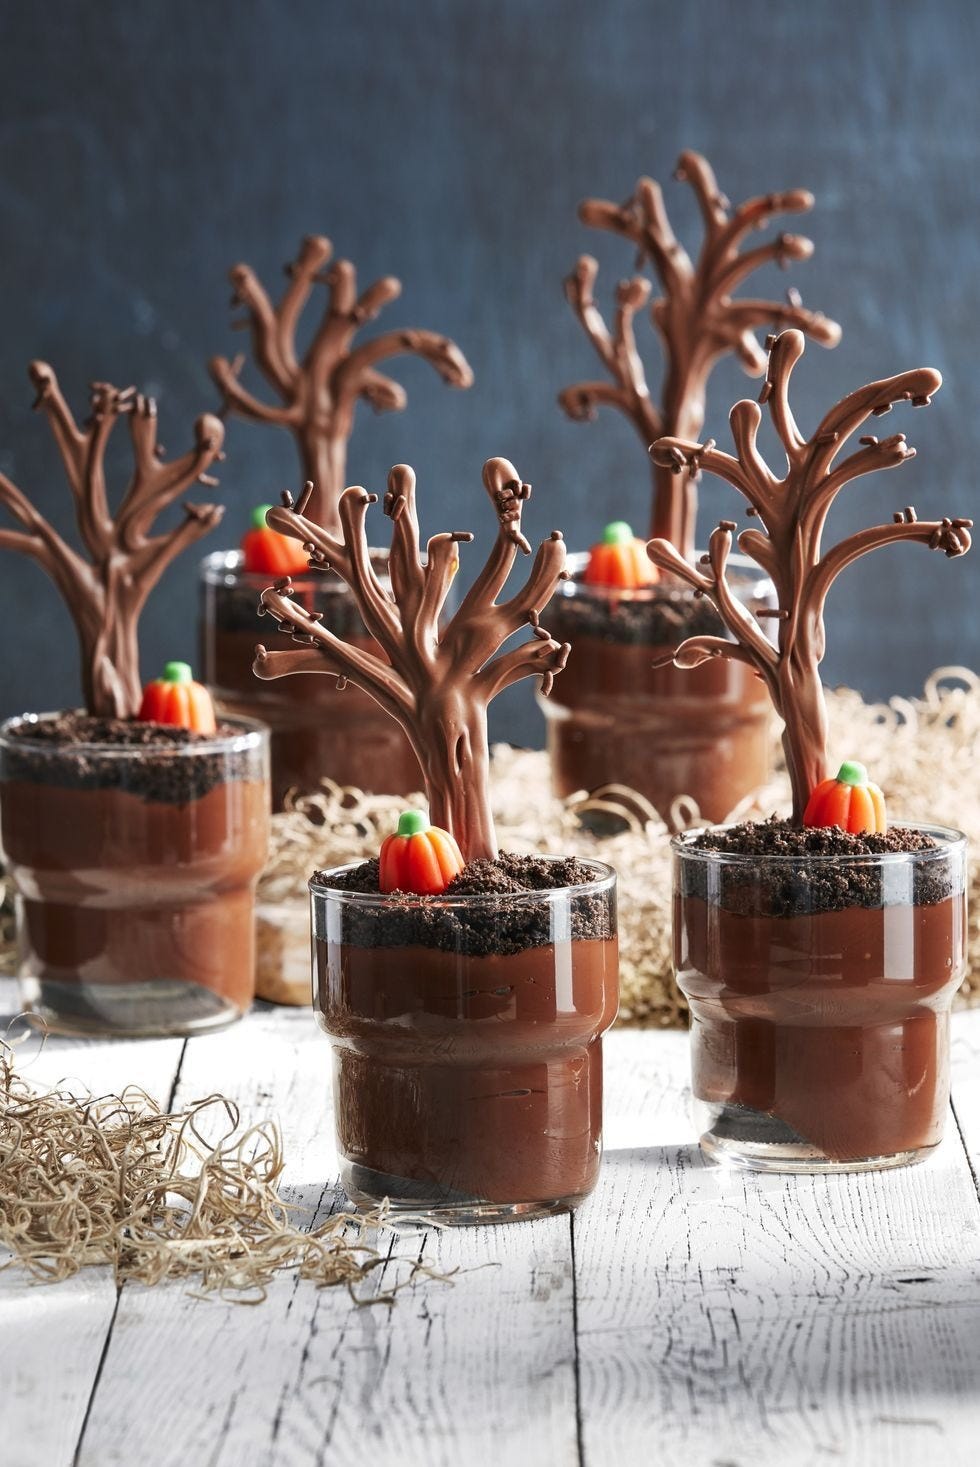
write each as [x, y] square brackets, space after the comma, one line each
[88, 1181]
[904, 742]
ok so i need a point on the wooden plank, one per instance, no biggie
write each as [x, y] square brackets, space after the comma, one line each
[966, 1084]
[483, 1368]
[53, 1336]
[726, 1318]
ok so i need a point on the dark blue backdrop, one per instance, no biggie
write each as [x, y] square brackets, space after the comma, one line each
[145, 147]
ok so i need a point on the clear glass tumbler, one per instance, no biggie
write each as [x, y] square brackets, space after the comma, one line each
[134, 870]
[467, 1042]
[317, 731]
[615, 718]
[820, 992]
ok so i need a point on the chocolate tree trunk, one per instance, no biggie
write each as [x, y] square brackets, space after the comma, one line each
[675, 501]
[802, 707]
[675, 495]
[324, 455]
[455, 759]
[111, 685]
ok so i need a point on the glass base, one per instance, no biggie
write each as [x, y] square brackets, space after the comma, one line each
[737, 1136]
[405, 1196]
[156, 1010]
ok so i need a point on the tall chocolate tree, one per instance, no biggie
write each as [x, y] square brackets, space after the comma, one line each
[696, 316]
[319, 391]
[105, 584]
[437, 682]
[792, 512]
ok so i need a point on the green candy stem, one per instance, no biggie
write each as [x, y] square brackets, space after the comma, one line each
[177, 672]
[412, 822]
[258, 516]
[618, 532]
[851, 772]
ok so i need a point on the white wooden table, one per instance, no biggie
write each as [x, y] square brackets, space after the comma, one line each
[685, 1315]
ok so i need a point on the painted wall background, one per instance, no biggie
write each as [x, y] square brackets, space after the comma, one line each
[145, 147]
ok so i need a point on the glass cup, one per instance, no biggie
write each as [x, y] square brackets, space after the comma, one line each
[134, 870]
[317, 731]
[820, 992]
[615, 718]
[467, 1043]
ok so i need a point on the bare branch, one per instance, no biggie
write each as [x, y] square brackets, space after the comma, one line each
[319, 395]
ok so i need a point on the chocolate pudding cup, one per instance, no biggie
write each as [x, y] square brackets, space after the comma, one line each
[820, 991]
[467, 1042]
[134, 868]
[317, 731]
[613, 717]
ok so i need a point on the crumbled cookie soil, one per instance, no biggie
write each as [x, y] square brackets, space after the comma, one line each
[804, 880]
[502, 925]
[662, 617]
[58, 751]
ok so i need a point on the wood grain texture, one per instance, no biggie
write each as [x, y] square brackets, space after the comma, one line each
[722, 1319]
[308, 1377]
[52, 1337]
[966, 1089]
[738, 1319]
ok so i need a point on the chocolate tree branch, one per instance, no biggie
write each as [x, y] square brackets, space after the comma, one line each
[106, 588]
[317, 392]
[792, 512]
[437, 682]
[695, 315]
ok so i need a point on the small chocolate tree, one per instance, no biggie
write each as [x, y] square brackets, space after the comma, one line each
[793, 512]
[318, 393]
[696, 317]
[436, 682]
[105, 585]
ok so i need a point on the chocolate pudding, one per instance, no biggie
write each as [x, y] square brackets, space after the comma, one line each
[616, 717]
[820, 967]
[467, 1034]
[317, 731]
[134, 851]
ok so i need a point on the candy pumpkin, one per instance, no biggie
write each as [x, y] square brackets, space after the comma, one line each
[620, 560]
[419, 857]
[850, 801]
[176, 699]
[267, 552]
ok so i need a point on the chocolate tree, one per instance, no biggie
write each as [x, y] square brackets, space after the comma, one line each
[792, 512]
[105, 585]
[695, 315]
[319, 392]
[437, 682]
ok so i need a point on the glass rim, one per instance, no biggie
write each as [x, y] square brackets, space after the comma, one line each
[949, 841]
[218, 565]
[577, 561]
[253, 735]
[601, 884]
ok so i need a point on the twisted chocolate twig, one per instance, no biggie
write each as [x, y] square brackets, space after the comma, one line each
[436, 682]
[696, 316]
[318, 393]
[792, 512]
[106, 585]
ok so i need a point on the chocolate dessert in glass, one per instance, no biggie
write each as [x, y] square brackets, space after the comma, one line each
[352, 741]
[623, 715]
[465, 991]
[134, 830]
[819, 955]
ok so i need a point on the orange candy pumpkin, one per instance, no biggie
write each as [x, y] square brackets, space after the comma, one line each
[268, 553]
[620, 560]
[419, 857]
[176, 699]
[850, 801]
